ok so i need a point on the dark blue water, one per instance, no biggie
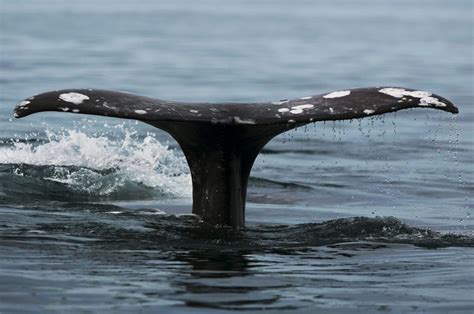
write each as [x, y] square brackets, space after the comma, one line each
[369, 215]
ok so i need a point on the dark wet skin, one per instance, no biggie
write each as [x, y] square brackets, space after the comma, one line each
[222, 140]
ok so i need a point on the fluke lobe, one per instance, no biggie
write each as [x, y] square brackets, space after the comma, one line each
[222, 140]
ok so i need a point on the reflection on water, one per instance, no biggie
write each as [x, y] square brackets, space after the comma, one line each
[168, 261]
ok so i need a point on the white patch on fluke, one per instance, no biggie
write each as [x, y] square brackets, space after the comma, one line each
[23, 103]
[426, 101]
[243, 121]
[331, 110]
[300, 107]
[75, 110]
[425, 97]
[296, 111]
[341, 93]
[369, 111]
[283, 110]
[400, 92]
[306, 98]
[193, 111]
[74, 98]
[108, 107]
[140, 111]
[418, 94]
[281, 102]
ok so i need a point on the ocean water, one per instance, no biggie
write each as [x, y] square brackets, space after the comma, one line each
[371, 215]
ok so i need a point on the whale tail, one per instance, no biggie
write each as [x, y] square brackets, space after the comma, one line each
[222, 140]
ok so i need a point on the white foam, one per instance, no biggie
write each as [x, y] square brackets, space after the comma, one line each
[141, 160]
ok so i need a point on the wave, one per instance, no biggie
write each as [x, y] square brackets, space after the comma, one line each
[257, 182]
[120, 228]
[74, 165]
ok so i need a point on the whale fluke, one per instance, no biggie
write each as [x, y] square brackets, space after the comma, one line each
[222, 140]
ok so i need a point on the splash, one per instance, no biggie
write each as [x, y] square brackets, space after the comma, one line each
[96, 165]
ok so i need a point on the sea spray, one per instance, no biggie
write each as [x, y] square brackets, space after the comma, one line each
[98, 165]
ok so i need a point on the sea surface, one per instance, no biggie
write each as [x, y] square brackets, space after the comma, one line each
[362, 216]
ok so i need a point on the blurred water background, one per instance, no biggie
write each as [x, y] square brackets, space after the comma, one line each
[369, 215]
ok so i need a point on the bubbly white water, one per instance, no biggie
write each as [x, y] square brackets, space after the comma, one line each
[74, 248]
[142, 160]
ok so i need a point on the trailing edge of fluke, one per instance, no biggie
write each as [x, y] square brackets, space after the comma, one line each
[222, 140]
